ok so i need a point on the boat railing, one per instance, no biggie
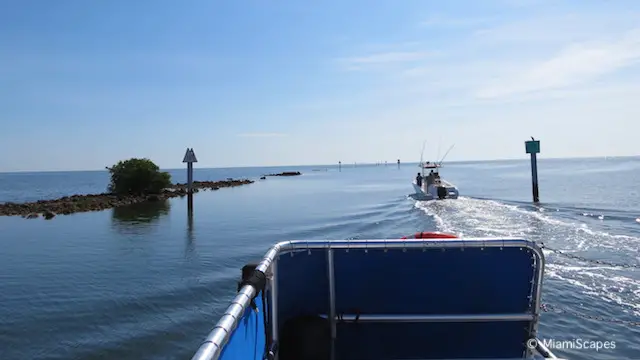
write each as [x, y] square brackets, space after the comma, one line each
[264, 280]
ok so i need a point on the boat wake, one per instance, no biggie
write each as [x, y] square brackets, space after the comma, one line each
[585, 245]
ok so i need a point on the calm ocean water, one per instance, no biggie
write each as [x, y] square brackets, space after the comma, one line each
[146, 283]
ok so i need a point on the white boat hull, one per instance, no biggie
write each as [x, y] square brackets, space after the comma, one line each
[430, 192]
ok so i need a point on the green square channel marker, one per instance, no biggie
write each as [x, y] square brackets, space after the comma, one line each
[532, 147]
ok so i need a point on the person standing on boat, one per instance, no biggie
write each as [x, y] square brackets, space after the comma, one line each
[419, 180]
[434, 178]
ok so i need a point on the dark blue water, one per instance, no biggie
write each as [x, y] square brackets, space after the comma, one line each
[148, 283]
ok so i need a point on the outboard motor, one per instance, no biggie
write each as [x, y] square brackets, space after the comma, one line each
[442, 192]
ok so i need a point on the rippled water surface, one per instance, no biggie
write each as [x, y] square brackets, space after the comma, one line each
[148, 282]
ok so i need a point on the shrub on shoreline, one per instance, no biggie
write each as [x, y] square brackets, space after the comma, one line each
[136, 177]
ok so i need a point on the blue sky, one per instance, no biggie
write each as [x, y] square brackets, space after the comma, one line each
[84, 84]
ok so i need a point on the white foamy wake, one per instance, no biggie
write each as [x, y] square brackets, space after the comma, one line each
[486, 218]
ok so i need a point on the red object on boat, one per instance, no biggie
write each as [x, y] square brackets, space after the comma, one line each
[431, 235]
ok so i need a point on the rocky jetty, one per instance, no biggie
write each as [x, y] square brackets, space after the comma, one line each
[96, 202]
[286, 173]
[211, 185]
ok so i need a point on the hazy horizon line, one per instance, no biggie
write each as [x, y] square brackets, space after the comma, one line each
[526, 158]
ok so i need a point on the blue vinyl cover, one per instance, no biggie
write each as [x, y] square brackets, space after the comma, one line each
[248, 340]
[469, 281]
[472, 281]
[303, 285]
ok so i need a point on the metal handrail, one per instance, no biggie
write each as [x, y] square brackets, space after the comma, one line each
[421, 318]
[212, 346]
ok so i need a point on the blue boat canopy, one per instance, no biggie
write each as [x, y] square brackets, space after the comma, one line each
[386, 300]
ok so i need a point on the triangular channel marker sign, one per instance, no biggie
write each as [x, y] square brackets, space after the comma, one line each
[189, 156]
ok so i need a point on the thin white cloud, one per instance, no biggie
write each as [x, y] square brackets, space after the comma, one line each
[442, 21]
[382, 59]
[556, 28]
[526, 3]
[577, 64]
[262, 135]
[389, 57]
[538, 71]
[530, 56]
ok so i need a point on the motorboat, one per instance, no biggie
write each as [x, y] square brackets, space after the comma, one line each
[431, 186]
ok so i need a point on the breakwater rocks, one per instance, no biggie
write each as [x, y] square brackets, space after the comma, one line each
[210, 185]
[286, 173]
[96, 202]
